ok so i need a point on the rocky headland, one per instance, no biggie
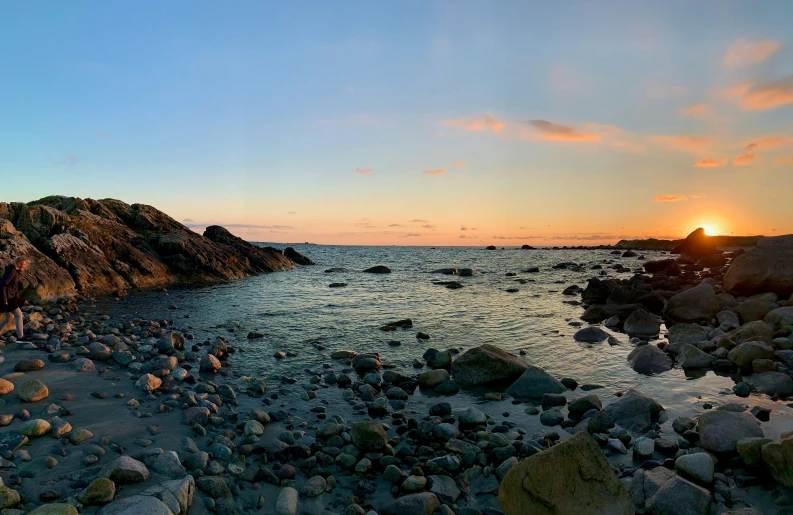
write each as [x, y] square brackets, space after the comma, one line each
[122, 415]
[98, 247]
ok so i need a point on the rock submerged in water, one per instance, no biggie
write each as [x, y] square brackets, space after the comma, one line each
[649, 360]
[591, 335]
[297, 257]
[543, 483]
[379, 269]
[486, 364]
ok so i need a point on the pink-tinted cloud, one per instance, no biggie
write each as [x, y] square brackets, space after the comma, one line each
[488, 122]
[428, 226]
[696, 110]
[695, 143]
[768, 142]
[628, 145]
[440, 171]
[711, 163]
[458, 164]
[770, 96]
[744, 52]
[364, 171]
[784, 160]
[550, 131]
[745, 159]
[737, 91]
[419, 221]
[669, 198]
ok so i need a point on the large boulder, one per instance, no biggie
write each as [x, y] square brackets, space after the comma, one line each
[125, 470]
[771, 383]
[780, 317]
[766, 268]
[642, 323]
[697, 245]
[486, 364]
[369, 436]
[635, 411]
[754, 309]
[533, 383]
[137, 505]
[424, 503]
[649, 359]
[591, 335]
[45, 280]
[688, 333]
[678, 497]
[693, 305]
[757, 330]
[297, 257]
[720, 430]
[691, 357]
[779, 458]
[745, 353]
[543, 483]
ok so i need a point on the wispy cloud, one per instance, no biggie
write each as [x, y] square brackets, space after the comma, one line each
[768, 142]
[698, 110]
[784, 160]
[72, 160]
[669, 198]
[291, 212]
[694, 143]
[628, 145]
[736, 92]
[458, 164]
[488, 122]
[440, 171]
[745, 158]
[364, 171]
[365, 223]
[770, 96]
[744, 52]
[711, 163]
[396, 225]
[550, 131]
[410, 235]
[428, 226]
[193, 224]
[419, 221]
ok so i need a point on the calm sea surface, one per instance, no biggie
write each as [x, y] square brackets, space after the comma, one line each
[296, 309]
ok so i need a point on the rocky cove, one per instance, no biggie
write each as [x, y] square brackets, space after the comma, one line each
[135, 404]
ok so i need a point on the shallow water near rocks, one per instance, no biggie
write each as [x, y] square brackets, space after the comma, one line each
[296, 309]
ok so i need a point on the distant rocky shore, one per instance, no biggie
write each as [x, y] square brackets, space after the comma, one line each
[125, 416]
[97, 247]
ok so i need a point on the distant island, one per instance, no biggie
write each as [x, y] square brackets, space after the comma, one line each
[718, 241]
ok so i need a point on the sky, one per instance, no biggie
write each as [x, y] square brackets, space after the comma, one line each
[410, 122]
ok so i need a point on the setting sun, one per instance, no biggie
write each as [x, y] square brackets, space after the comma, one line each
[710, 230]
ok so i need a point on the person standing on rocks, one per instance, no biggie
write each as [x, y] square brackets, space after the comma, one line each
[9, 291]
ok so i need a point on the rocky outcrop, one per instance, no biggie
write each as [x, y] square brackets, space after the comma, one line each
[543, 483]
[697, 245]
[767, 268]
[97, 247]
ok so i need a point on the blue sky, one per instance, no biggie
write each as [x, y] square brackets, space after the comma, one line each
[258, 114]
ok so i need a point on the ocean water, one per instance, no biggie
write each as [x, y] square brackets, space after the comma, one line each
[296, 310]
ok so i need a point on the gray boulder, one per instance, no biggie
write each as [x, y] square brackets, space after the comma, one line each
[771, 383]
[533, 383]
[693, 305]
[486, 364]
[543, 483]
[691, 357]
[591, 335]
[635, 411]
[678, 497]
[719, 431]
[766, 268]
[649, 359]
[642, 323]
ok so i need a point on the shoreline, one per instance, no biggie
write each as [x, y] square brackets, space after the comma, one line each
[295, 443]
